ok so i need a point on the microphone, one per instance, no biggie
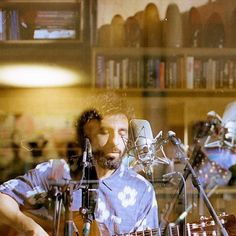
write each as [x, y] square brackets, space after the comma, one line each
[215, 136]
[89, 148]
[214, 117]
[176, 141]
[87, 153]
[141, 134]
[173, 138]
[148, 151]
[223, 130]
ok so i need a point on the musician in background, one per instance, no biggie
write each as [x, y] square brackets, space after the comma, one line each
[125, 201]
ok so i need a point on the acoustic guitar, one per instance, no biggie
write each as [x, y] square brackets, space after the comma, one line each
[206, 226]
[47, 225]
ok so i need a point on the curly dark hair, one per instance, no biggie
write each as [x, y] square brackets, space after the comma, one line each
[86, 116]
[111, 102]
[103, 104]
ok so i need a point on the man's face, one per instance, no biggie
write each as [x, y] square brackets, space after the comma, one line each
[108, 139]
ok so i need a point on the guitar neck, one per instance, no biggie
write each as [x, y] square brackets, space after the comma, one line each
[146, 232]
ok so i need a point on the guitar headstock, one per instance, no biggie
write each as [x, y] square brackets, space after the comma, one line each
[207, 226]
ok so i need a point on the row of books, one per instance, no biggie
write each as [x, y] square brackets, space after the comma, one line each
[15, 25]
[171, 73]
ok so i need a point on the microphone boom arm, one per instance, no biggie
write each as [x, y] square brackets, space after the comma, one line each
[182, 156]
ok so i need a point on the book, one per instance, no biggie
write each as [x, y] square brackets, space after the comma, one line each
[189, 72]
[124, 72]
[117, 75]
[100, 72]
[181, 72]
[197, 67]
[149, 73]
[231, 74]
[211, 74]
[157, 65]
[162, 75]
[3, 29]
[110, 64]
[14, 26]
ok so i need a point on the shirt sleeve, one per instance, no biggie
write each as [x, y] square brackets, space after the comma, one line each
[147, 211]
[31, 189]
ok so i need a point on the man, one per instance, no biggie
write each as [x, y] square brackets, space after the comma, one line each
[125, 201]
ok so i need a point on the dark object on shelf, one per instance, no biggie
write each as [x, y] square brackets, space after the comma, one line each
[214, 33]
[117, 31]
[233, 30]
[172, 27]
[133, 33]
[152, 27]
[104, 36]
[194, 28]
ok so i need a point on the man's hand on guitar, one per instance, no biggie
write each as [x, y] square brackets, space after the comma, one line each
[39, 232]
[35, 230]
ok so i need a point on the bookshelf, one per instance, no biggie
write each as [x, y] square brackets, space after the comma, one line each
[179, 81]
[170, 107]
[40, 19]
[164, 68]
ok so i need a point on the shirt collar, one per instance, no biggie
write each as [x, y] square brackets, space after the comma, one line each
[109, 181]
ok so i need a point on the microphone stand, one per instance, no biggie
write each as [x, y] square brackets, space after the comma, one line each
[182, 156]
[69, 227]
[88, 201]
[182, 185]
[57, 197]
[183, 215]
[62, 191]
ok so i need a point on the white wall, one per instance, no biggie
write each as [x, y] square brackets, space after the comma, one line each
[108, 8]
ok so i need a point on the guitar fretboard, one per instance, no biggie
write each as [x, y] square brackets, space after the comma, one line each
[147, 232]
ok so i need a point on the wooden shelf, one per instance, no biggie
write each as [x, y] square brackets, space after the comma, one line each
[151, 92]
[190, 93]
[44, 42]
[70, 50]
[55, 4]
[149, 51]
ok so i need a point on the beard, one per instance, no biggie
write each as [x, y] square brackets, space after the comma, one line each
[107, 163]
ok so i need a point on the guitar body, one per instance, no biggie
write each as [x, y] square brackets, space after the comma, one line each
[206, 226]
[47, 226]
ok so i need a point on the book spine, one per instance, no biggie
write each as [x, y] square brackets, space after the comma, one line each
[100, 72]
[124, 73]
[189, 72]
[162, 75]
